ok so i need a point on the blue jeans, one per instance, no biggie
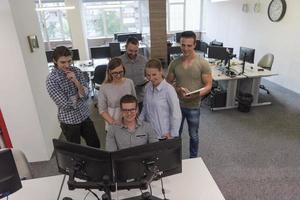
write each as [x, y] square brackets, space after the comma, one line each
[192, 117]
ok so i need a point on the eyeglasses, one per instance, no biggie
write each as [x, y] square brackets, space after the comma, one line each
[117, 73]
[129, 110]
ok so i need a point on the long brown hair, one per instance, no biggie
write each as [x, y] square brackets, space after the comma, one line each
[113, 63]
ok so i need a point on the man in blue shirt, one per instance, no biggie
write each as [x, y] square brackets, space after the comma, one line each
[68, 88]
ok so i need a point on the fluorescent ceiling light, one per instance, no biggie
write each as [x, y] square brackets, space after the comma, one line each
[55, 8]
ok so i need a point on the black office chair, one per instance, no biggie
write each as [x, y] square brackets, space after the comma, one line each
[266, 62]
[99, 77]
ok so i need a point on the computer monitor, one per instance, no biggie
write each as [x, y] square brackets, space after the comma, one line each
[135, 163]
[100, 52]
[220, 53]
[83, 162]
[49, 56]
[216, 43]
[9, 177]
[177, 37]
[75, 54]
[122, 37]
[115, 49]
[247, 54]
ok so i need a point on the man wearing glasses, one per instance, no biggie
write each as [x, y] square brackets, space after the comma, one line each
[68, 88]
[130, 132]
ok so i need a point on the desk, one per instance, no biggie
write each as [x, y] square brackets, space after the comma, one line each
[86, 65]
[195, 182]
[248, 82]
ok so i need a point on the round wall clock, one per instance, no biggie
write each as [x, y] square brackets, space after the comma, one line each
[276, 10]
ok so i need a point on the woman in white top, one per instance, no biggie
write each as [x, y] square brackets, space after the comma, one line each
[114, 87]
[161, 105]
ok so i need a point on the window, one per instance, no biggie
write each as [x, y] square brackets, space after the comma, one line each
[183, 15]
[53, 23]
[105, 18]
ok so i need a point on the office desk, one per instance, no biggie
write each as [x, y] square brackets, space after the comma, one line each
[252, 82]
[248, 82]
[195, 182]
[86, 65]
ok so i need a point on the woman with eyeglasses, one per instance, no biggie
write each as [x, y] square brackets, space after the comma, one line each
[114, 87]
[161, 105]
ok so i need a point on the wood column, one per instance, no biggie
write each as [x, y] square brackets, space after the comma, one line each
[158, 29]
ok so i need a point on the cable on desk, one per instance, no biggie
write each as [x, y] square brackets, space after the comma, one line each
[94, 194]
[61, 186]
[86, 195]
[163, 189]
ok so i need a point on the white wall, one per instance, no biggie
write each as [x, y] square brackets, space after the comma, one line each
[226, 22]
[29, 113]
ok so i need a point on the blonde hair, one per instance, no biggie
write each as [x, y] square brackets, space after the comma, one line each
[112, 64]
[154, 64]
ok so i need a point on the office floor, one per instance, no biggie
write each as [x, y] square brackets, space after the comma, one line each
[251, 155]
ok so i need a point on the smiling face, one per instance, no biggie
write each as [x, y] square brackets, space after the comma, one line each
[117, 73]
[63, 63]
[132, 50]
[129, 112]
[154, 75]
[187, 46]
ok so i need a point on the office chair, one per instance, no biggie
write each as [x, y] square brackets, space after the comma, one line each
[22, 164]
[266, 62]
[99, 77]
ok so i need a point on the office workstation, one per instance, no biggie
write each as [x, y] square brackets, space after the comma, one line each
[233, 162]
[235, 76]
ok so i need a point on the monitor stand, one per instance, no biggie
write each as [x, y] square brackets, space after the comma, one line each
[143, 197]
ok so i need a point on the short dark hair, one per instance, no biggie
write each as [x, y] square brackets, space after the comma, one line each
[188, 34]
[60, 52]
[128, 98]
[132, 40]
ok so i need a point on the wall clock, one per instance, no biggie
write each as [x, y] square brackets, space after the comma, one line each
[276, 10]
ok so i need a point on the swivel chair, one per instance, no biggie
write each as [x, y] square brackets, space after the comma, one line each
[99, 77]
[266, 62]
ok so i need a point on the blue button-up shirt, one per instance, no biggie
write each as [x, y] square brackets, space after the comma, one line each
[72, 108]
[161, 109]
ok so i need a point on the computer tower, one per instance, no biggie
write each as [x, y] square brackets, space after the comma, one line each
[217, 98]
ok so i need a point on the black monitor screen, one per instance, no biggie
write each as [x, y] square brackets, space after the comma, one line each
[75, 54]
[100, 52]
[131, 163]
[220, 53]
[178, 36]
[247, 54]
[123, 37]
[9, 177]
[49, 55]
[93, 163]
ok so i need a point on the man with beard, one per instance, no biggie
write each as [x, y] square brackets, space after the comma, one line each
[135, 65]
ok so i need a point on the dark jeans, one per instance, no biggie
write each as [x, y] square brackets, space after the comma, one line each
[85, 129]
[192, 117]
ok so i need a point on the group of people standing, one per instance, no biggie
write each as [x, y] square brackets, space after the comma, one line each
[138, 103]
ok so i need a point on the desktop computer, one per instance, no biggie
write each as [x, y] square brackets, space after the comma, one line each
[217, 98]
